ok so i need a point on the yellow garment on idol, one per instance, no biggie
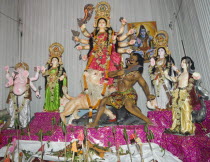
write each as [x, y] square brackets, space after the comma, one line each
[181, 110]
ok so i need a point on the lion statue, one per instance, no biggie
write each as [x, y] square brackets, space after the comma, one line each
[95, 88]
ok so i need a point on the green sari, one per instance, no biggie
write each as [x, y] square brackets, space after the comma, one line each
[53, 91]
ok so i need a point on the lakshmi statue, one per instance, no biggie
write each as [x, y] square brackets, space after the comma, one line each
[159, 63]
[55, 78]
[184, 98]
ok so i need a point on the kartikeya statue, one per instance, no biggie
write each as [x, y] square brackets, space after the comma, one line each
[184, 98]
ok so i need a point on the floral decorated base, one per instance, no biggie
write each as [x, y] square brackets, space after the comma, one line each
[187, 148]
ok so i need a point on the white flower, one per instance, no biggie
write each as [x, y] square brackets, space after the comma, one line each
[196, 76]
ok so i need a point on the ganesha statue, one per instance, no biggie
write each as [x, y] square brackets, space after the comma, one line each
[20, 93]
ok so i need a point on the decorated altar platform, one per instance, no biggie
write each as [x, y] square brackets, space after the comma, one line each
[188, 148]
[192, 148]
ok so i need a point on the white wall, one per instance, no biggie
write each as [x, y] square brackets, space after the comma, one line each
[8, 42]
[192, 26]
[49, 21]
[202, 38]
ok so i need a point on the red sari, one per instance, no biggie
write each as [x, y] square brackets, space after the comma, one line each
[103, 56]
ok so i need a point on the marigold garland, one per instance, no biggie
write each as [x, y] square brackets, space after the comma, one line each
[110, 49]
[97, 104]
[104, 89]
[89, 102]
[90, 113]
[107, 69]
[89, 61]
[85, 82]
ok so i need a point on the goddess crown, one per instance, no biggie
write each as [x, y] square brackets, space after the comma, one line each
[161, 41]
[56, 50]
[102, 10]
